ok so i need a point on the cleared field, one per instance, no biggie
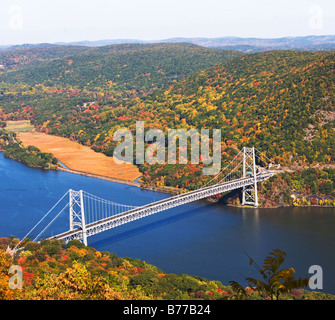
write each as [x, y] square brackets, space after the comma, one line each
[78, 157]
[19, 126]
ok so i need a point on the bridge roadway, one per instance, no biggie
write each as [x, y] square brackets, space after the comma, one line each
[158, 206]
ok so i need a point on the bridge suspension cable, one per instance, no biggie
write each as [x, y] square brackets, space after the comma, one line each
[236, 168]
[50, 223]
[261, 154]
[233, 174]
[90, 214]
[230, 165]
[97, 208]
[39, 222]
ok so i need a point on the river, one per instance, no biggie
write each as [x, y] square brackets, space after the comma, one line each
[201, 238]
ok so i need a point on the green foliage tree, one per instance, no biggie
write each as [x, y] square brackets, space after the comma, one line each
[275, 281]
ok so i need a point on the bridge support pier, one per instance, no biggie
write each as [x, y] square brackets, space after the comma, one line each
[249, 193]
[77, 212]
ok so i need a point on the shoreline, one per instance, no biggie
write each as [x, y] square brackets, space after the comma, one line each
[127, 182]
[91, 175]
[162, 189]
[175, 192]
[276, 207]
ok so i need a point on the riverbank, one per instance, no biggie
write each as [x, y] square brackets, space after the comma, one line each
[144, 281]
[167, 190]
[288, 189]
[174, 191]
[86, 174]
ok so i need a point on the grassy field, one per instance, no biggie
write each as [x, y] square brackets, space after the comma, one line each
[19, 126]
[78, 157]
[72, 154]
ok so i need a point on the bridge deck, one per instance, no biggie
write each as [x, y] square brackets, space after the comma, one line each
[158, 206]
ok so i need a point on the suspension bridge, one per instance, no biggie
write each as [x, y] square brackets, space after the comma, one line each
[90, 214]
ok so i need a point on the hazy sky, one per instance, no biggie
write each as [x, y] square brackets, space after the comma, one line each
[34, 21]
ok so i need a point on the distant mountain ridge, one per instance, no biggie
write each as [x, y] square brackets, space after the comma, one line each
[246, 45]
[125, 70]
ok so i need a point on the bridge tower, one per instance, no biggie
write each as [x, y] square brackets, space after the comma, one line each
[249, 193]
[77, 212]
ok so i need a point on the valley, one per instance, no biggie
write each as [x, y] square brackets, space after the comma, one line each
[162, 151]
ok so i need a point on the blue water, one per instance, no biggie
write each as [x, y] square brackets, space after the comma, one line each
[63, 165]
[201, 238]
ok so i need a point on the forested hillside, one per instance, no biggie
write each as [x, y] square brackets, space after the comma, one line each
[53, 270]
[125, 70]
[281, 102]
[15, 58]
